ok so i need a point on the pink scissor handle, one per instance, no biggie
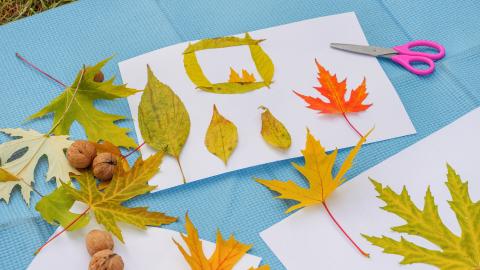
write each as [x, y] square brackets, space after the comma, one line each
[407, 60]
[406, 49]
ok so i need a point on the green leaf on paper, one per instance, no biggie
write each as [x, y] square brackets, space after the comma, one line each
[273, 131]
[163, 119]
[106, 205]
[262, 61]
[98, 125]
[23, 168]
[222, 137]
[454, 252]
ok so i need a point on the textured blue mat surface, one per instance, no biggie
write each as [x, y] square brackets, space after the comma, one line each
[61, 40]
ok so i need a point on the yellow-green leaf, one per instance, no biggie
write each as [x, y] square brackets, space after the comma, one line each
[107, 205]
[454, 252]
[222, 137]
[6, 176]
[98, 125]
[273, 131]
[163, 119]
[262, 61]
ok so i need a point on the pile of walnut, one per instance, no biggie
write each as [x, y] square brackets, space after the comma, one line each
[82, 154]
[100, 247]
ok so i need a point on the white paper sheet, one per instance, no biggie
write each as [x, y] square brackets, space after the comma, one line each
[152, 249]
[293, 49]
[309, 240]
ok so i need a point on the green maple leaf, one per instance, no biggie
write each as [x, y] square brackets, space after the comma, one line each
[98, 125]
[455, 252]
[106, 205]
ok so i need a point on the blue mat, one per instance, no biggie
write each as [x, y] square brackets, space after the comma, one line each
[61, 40]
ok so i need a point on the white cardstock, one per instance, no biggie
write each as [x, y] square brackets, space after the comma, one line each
[308, 239]
[293, 49]
[152, 249]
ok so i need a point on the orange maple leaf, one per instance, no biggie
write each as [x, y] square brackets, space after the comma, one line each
[335, 91]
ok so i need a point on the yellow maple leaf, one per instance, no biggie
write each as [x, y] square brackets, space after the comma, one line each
[245, 78]
[226, 255]
[318, 172]
[106, 205]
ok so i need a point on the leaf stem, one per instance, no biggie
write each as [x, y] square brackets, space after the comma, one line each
[344, 232]
[134, 150]
[63, 230]
[351, 125]
[31, 187]
[181, 170]
[69, 103]
[39, 70]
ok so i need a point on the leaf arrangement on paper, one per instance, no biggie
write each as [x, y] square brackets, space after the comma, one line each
[226, 255]
[79, 98]
[455, 252]
[236, 84]
[318, 172]
[335, 91]
[106, 205]
[37, 145]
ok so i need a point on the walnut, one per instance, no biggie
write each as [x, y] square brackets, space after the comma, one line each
[81, 153]
[99, 77]
[104, 166]
[97, 240]
[106, 260]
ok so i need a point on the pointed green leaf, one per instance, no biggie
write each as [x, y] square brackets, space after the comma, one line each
[163, 119]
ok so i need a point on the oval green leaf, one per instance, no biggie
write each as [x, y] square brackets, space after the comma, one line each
[273, 131]
[163, 119]
[222, 137]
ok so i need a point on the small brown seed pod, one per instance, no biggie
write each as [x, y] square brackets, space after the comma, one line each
[106, 260]
[104, 166]
[97, 240]
[81, 153]
[99, 77]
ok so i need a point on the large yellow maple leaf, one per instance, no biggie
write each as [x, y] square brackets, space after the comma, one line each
[318, 172]
[226, 255]
[106, 204]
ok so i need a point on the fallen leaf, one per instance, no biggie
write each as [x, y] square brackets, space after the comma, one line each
[163, 119]
[107, 147]
[107, 205]
[454, 252]
[273, 131]
[262, 61]
[98, 125]
[245, 78]
[226, 255]
[23, 168]
[321, 181]
[318, 172]
[333, 90]
[221, 137]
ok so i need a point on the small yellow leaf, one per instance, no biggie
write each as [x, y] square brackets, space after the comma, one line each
[226, 255]
[273, 131]
[245, 78]
[318, 172]
[222, 137]
[6, 176]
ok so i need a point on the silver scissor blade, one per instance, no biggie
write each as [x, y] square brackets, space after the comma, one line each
[361, 49]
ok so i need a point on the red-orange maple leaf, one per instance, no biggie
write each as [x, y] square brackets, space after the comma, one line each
[335, 91]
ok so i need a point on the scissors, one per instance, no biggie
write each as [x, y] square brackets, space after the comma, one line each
[402, 54]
